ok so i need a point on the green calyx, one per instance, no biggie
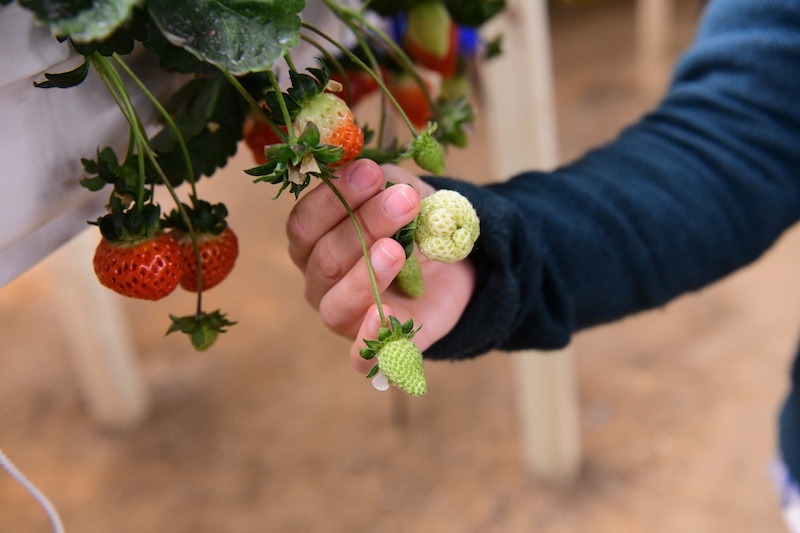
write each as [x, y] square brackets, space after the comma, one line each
[206, 218]
[202, 329]
[304, 89]
[398, 357]
[131, 226]
[293, 164]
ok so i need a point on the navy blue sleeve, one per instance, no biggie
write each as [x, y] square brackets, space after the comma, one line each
[699, 187]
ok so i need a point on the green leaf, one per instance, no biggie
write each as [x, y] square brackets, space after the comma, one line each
[93, 184]
[65, 80]
[82, 20]
[237, 36]
[210, 114]
[474, 12]
[328, 154]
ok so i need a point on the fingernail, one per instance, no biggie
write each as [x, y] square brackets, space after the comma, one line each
[382, 259]
[398, 203]
[363, 177]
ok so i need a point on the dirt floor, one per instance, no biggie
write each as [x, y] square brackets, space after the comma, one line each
[271, 430]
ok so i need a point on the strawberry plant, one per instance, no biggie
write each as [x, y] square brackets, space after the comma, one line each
[413, 56]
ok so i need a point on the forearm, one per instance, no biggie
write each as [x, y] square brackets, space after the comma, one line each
[695, 190]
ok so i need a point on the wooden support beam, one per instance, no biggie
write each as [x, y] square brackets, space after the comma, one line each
[520, 111]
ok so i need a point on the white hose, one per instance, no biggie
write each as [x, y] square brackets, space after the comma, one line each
[6, 463]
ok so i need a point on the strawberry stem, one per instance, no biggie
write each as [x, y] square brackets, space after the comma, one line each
[114, 82]
[368, 70]
[375, 292]
[253, 104]
[116, 88]
[287, 119]
[167, 118]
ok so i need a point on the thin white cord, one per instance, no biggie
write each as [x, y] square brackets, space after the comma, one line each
[6, 463]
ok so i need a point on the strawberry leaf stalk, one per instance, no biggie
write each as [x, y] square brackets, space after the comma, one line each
[447, 227]
[399, 359]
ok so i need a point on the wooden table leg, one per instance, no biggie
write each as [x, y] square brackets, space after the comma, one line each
[96, 334]
[521, 118]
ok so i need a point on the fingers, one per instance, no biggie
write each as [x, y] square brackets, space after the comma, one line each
[344, 306]
[340, 250]
[396, 174]
[316, 213]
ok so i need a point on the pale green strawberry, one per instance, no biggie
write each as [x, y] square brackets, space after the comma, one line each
[428, 154]
[401, 362]
[447, 227]
[409, 279]
[398, 357]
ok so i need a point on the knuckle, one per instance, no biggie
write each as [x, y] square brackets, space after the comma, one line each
[332, 318]
[326, 264]
[296, 229]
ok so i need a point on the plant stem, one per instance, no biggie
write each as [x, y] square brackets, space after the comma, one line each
[116, 87]
[167, 118]
[111, 78]
[253, 104]
[287, 119]
[369, 71]
[376, 293]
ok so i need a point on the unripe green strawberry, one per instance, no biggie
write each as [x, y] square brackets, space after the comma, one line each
[428, 153]
[399, 359]
[401, 362]
[447, 227]
[335, 123]
[409, 279]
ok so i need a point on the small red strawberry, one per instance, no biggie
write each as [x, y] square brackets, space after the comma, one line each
[335, 122]
[410, 97]
[257, 135]
[218, 255]
[431, 37]
[217, 244]
[148, 269]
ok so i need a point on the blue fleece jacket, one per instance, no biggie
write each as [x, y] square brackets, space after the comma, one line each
[699, 187]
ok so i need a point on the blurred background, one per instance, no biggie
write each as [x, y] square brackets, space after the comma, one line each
[272, 431]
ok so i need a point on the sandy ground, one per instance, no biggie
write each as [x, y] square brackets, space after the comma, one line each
[271, 430]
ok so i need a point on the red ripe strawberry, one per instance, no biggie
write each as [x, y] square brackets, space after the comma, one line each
[431, 37]
[147, 269]
[335, 123]
[218, 255]
[410, 97]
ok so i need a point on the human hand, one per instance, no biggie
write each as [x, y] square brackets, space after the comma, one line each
[324, 245]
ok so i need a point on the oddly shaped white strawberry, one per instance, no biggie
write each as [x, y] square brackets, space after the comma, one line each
[447, 227]
[399, 359]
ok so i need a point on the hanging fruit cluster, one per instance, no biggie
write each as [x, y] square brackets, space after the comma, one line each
[415, 61]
